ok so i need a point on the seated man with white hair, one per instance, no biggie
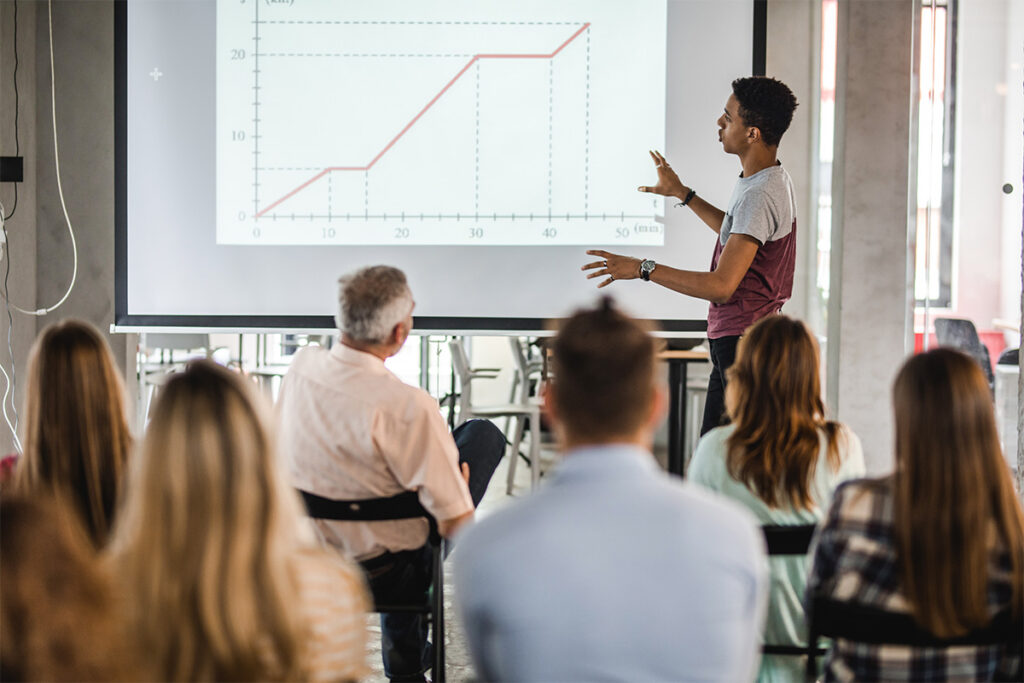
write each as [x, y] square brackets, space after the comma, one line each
[350, 429]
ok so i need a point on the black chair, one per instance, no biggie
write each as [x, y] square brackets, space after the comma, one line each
[402, 506]
[961, 334]
[862, 624]
[1009, 357]
[790, 540]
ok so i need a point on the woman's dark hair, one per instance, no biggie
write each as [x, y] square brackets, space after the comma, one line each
[953, 493]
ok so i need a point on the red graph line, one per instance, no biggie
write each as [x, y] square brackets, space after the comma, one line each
[423, 111]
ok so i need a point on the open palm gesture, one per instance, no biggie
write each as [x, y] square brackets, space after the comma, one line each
[669, 184]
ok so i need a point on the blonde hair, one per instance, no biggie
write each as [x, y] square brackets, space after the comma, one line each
[77, 439]
[56, 598]
[207, 536]
[773, 397]
[952, 492]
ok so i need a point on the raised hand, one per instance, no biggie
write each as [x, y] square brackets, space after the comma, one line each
[669, 184]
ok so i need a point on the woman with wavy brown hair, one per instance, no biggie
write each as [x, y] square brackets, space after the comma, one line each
[219, 580]
[779, 457]
[942, 538]
[76, 439]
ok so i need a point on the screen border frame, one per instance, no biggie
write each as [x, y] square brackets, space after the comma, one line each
[434, 324]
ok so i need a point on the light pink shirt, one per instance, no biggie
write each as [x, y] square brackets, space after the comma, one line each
[350, 429]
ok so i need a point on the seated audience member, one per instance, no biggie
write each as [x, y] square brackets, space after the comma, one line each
[351, 430]
[614, 570]
[781, 459]
[207, 552]
[59, 619]
[77, 440]
[940, 539]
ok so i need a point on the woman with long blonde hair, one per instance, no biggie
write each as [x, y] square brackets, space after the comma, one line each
[941, 539]
[218, 579]
[76, 438]
[781, 458]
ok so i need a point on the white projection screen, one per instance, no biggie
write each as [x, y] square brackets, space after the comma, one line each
[266, 147]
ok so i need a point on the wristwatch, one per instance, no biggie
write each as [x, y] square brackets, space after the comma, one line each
[647, 267]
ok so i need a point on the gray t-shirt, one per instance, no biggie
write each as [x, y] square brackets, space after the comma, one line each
[762, 206]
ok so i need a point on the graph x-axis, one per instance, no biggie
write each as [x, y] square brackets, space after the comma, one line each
[469, 218]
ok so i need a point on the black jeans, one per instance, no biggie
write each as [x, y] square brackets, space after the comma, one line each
[405, 576]
[723, 353]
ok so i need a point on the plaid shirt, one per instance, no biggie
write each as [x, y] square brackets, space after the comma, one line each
[856, 560]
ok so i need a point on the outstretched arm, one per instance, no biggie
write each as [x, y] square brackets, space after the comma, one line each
[717, 286]
[669, 185]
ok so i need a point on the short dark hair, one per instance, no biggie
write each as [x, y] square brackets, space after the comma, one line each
[603, 372]
[766, 104]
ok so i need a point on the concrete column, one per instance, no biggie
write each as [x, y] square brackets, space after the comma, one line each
[792, 57]
[83, 41]
[20, 252]
[870, 310]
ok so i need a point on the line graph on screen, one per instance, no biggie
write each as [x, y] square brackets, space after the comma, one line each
[431, 130]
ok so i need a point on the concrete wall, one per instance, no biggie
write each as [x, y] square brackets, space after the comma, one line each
[793, 37]
[20, 254]
[870, 311]
[42, 256]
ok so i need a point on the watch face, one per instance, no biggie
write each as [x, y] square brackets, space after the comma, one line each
[647, 266]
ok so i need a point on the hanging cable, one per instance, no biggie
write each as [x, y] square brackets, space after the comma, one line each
[17, 106]
[9, 380]
[60, 188]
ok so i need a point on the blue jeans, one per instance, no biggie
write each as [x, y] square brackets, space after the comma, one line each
[405, 576]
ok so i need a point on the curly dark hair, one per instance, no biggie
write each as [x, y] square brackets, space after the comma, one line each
[766, 104]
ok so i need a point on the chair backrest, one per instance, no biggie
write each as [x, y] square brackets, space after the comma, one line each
[788, 540]
[1009, 357]
[863, 624]
[405, 505]
[961, 334]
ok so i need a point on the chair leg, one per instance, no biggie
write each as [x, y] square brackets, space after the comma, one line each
[514, 453]
[437, 671]
[512, 399]
[534, 449]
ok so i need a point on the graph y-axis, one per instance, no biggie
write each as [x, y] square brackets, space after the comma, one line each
[256, 115]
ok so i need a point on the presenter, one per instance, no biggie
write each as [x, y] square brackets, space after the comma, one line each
[751, 272]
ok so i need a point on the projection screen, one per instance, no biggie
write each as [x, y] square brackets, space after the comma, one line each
[266, 147]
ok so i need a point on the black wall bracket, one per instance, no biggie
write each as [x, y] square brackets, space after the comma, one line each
[12, 169]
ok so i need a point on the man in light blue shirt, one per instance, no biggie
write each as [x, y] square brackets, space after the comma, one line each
[614, 570]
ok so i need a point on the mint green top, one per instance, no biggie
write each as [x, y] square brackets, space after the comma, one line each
[785, 623]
